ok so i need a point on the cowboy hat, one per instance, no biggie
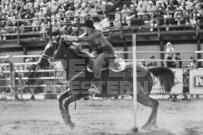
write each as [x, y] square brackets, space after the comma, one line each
[88, 23]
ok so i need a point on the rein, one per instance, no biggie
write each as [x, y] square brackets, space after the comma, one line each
[44, 56]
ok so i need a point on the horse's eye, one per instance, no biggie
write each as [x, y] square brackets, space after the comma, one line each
[51, 60]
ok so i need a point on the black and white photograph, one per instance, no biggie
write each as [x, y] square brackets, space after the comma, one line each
[101, 67]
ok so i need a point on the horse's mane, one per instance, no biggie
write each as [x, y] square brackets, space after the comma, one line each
[71, 52]
[79, 53]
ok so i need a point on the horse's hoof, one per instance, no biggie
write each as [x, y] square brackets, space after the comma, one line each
[154, 127]
[142, 130]
[72, 125]
[134, 130]
[146, 127]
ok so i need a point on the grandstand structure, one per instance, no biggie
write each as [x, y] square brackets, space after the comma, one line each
[23, 39]
[153, 30]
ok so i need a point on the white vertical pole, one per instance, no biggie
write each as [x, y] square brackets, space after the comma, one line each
[134, 81]
[54, 78]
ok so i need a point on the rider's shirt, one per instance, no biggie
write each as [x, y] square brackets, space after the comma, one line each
[96, 39]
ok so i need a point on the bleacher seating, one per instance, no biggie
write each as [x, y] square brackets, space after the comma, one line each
[28, 28]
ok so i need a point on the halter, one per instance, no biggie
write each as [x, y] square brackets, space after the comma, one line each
[44, 56]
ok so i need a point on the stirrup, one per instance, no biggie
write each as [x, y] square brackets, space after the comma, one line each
[118, 65]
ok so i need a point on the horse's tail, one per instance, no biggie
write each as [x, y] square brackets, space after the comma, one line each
[165, 75]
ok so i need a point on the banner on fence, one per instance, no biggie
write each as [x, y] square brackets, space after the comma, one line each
[196, 81]
[177, 89]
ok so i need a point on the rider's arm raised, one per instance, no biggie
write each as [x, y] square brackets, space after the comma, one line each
[69, 38]
[82, 38]
[90, 37]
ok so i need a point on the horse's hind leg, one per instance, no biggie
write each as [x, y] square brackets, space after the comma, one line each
[61, 107]
[69, 100]
[62, 97]
[147, 101]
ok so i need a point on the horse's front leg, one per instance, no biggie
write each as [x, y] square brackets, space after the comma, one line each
[67, 101]
[61, 107]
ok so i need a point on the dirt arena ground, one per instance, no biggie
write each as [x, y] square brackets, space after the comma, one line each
[98, 117]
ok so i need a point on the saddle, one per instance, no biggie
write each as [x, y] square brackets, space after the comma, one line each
[116, 65]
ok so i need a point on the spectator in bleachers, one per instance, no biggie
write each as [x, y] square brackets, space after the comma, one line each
[144, 3]
[160, 10]
[178, 60]
[21, 86]
[134, 2]
[11, 28]
[185, 14]
[56, 25]
[152, 63]
[35, 24]
[102, 3]
[13, 19]
[190, 5]
[183, 6]
[117, 22]
[83, 13]
[193, 18]
[150, 10]
[141, 11]
[19, 69]
[125, 12]
[178, 16]
[142, 63]
[62, 13]
[193, 64]
[132, 15]
[41, 13]
[1, 71]
[3, 32]
[43, 29]
[150, 16]
[7, 67]
[29, 5]
[199, 9]
[99, 11]
[7, 8]
[69, 13]
[54, 7]
[167, 20]
[170, 11]
[93, 11]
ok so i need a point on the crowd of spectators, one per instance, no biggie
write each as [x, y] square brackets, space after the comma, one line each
[36, 15]
[188, 12]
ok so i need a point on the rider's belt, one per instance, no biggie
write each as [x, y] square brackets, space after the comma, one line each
[107, 49]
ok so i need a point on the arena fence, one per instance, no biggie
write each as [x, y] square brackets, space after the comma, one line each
[23, 77]
[17, 75]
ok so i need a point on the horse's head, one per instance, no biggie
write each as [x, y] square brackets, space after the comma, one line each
[51, 47]
[47, 53]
